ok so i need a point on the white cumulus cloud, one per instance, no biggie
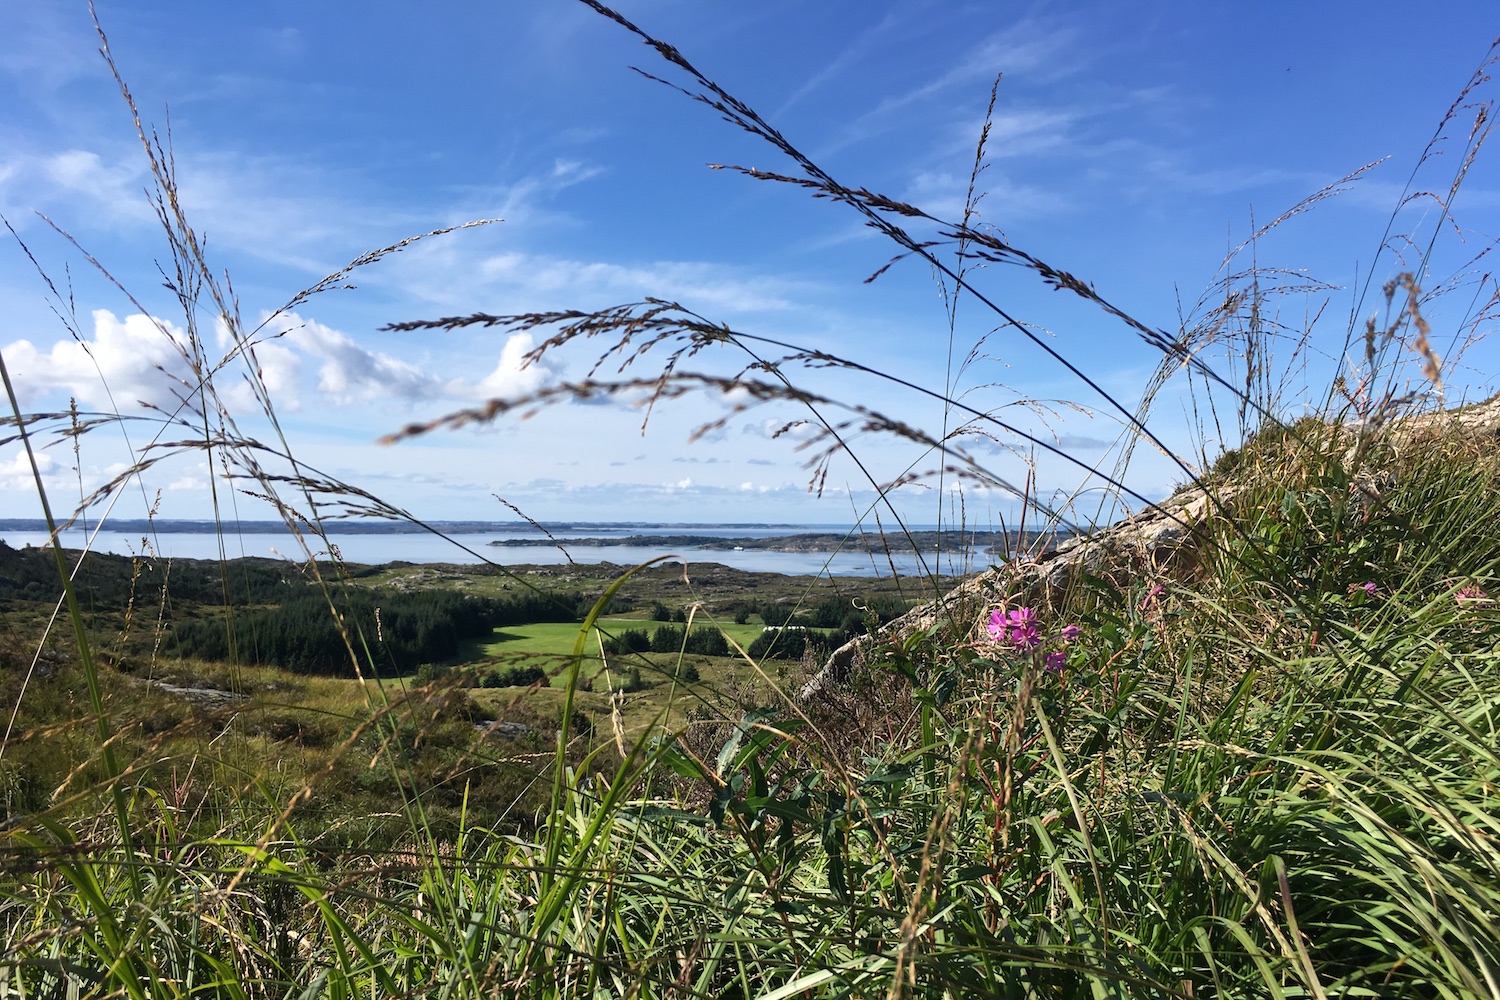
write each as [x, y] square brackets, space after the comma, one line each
[19, 467]
[349, 372]
[512, 377]
[135, 358]
[144, 358]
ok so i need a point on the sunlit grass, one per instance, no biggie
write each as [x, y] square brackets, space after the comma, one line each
[555, 639]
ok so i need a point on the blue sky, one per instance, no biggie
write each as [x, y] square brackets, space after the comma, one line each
[1132, 146]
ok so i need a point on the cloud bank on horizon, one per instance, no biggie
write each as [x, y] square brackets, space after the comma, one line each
[1133, 151]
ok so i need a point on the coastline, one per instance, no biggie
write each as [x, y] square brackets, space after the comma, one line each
[988, 542]
[792, 550]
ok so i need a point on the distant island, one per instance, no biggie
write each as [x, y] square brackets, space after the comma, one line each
[897, 542]
[369, 526]
[721, 537]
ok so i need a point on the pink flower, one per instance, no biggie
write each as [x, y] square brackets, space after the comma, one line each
[1470, 594]
[1024, 637]
[1021, 617]
[1056, 662]
[1019, 629]
[1369, 587]
[1151, 595]
[1016, 627]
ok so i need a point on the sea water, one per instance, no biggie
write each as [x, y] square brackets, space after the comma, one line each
[470, 545]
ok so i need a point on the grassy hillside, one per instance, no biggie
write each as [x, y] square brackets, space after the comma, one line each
[1270, 768]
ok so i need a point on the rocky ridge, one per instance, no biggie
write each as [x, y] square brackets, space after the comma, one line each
[1162, 539]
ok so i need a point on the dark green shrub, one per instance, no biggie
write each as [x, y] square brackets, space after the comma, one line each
[707, 641]
[666, 639]
[517, 676]
[632, 640]
[790, 643]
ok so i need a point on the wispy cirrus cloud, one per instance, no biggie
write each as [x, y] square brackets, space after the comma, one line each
[690, 282]
[864, 42]
[1032, 47]
[1043, 52]
[463, 270]
[73, 182]
[47, 47]
[1002, 201]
